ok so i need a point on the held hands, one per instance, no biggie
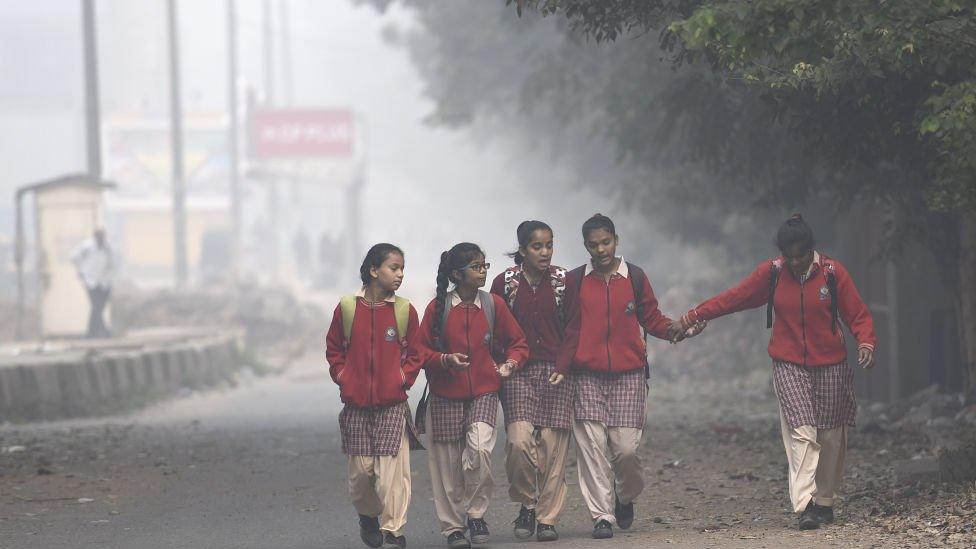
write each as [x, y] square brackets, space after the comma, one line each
[556, 378]
[679, 332]
[456, 361]
[865, 357]
[504, 369]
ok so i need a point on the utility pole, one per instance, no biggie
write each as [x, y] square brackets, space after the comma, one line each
[287, 76]
[269, 101]
[93, 141]
[233, 139]
[176, 134]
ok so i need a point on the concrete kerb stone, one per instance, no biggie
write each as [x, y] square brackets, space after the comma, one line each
[93, 381]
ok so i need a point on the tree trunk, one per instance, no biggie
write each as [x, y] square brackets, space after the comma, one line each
[967, 301]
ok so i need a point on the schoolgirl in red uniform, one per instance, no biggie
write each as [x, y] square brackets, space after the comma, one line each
[609, 302]
[462, 333]
[538, 414]
[372, 359]
[811, 295]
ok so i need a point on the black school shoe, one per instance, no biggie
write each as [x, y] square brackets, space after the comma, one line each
[808, 519]
[602, 530]
[478, 529]
[823, 513]
[369, 531]
[390, 541]
[457, 541]
[625, 514]
[524, 523]
[546, 532]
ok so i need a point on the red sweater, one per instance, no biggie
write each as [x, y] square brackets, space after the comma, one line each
[802, 329]
[603, 333]
[535, 311]
[466, 331]
[375, 369]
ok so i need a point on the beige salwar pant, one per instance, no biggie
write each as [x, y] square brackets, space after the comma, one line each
[535, 461]
[608, 464]
[460, 472]
[816, 458]
[380, 487]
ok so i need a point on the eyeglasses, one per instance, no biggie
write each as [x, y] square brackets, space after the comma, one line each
[479, 266]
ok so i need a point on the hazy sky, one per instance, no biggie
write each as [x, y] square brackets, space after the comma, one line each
[427, 188]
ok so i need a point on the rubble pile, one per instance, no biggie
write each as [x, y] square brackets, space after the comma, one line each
[277, 326]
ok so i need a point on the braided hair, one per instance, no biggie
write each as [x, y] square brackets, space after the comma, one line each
[523, 233]
[451, 260]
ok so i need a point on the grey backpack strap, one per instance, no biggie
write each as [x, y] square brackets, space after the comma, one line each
[488, 306]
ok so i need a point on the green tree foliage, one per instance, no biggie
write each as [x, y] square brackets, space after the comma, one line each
[872, 84]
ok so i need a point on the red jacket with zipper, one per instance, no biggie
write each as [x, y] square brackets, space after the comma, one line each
[466, 331]
[377, 367]
[537, 315]
[603, 333]
[802, 331]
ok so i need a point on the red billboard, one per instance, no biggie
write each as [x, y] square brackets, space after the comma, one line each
[302, 133]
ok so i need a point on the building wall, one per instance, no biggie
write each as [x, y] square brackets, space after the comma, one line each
[912, 308]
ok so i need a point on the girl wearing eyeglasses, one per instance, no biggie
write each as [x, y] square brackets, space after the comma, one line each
[459, 332]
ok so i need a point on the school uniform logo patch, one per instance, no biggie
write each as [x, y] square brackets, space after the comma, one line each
[487, 338]
[390, 333]
[824, 293]
[631, 307]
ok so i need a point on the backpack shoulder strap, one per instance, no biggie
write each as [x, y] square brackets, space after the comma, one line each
[488, 306]
[830, 273]
[401, 311]
[775, 266]
[637, 278]
[347, 305]
[578, 273]
[512, 284]
[557, 278]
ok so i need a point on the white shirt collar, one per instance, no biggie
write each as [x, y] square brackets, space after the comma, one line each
[362, 293]
[456, 299]
[816, 261]
[621, 269]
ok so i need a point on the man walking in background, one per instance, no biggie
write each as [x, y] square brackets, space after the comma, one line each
[93, 260]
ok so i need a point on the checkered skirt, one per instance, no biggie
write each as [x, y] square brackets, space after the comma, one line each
[450, 418]
[375, 431]
[821, 396]
[614, 399]
[527, 395]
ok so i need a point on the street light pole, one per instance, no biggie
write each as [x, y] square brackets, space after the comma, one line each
[92, 112]
[176, 134]
[233, 139]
